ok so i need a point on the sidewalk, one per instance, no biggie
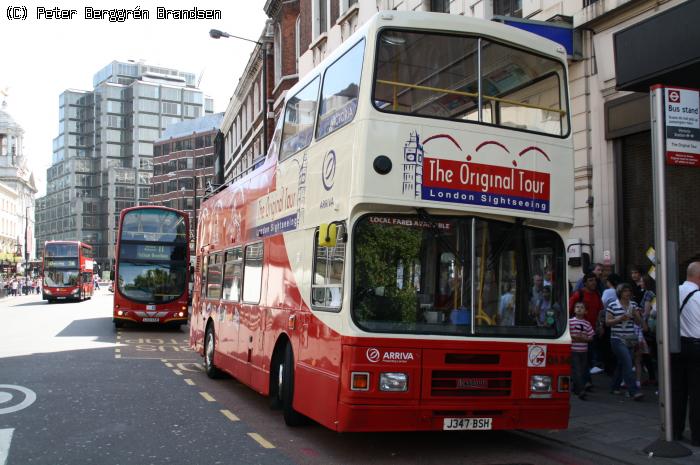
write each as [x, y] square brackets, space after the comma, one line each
[616, 427]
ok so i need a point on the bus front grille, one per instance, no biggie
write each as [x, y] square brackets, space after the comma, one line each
[466, 383]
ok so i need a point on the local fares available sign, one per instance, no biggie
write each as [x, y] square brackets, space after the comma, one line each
[682, 126]
[487, 185]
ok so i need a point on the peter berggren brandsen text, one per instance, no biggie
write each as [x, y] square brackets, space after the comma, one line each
[120, 15]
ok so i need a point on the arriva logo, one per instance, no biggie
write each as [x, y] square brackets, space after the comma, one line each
[397, 356]
[373, 355]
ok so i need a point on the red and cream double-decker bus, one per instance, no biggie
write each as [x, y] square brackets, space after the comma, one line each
[397, 261]
[152, 267]
[67, 271]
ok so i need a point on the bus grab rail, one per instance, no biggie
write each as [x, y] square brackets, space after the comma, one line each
[471, 94]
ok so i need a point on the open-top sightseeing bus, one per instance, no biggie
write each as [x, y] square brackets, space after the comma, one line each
[67, 271]
[152, 266]
[377, 272]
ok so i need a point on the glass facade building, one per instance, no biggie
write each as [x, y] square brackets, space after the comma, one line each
[103, 154]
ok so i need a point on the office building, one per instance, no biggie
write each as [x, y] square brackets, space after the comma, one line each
[103, 154]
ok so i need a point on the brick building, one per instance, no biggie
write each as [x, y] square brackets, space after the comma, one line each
[183, 164]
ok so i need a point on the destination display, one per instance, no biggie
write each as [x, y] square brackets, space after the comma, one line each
[152, 252]
[61, 263]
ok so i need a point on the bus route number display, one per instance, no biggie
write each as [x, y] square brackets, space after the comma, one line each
[153, 252]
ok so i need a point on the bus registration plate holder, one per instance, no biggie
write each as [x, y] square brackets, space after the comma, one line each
[466, 423]
[151, 320]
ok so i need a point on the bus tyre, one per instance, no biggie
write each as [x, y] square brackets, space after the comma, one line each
[209, 346]
[291, 416]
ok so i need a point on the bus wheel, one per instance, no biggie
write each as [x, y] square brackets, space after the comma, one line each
[209, 366]
[291, 416]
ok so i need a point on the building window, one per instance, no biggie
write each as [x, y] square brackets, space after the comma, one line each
[278, 53]
[297, 43]
[320, 17]
[346, 4]
[513, 8]
[440, 6]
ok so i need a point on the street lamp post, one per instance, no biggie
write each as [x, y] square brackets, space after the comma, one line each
[26, 243]
[217, 34]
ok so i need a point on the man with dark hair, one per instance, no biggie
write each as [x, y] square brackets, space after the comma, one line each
[685, 366]
[597, 270]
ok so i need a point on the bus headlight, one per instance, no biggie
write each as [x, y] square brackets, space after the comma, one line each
[77, 291]
[120, 312]
[393, 382]
[47, 292]
[540, 386]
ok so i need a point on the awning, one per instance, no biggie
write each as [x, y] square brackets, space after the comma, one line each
[660, 50]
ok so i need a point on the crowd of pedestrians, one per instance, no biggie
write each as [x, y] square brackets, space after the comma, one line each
[20, 285]
[613, 329]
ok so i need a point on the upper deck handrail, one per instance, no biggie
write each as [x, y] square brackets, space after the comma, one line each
[471, 94]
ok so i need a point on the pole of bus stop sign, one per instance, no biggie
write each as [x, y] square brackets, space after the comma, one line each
[665, 446]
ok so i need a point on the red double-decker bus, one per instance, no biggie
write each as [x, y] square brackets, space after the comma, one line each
[152, 269]
[382, 268]
[67, 271]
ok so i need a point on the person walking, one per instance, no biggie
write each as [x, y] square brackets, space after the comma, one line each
[15, 285]
[685, 366]
[621, 316]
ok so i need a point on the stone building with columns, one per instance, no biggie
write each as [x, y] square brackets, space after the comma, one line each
[17, 191]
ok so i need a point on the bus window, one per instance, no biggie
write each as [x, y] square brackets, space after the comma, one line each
[436, 75]
[341, 86]
[413, 275]
[327, 284]
[214, 275]
[299, 119]
[252, 273]
[233, 264]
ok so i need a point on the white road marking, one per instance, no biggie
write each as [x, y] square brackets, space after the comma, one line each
[169, 365]
[177, 372]
[5, 440]
[29, 398]
[207, 396]
[190, 382]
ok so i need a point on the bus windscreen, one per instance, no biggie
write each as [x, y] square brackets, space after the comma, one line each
[152, 256]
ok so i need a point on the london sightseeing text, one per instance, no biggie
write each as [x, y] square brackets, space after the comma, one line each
[375, 272]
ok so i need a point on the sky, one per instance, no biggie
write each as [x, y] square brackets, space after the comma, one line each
[40, 58]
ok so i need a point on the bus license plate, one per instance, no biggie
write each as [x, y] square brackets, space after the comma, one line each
[150, 307]
[466, 423]
[151, 320]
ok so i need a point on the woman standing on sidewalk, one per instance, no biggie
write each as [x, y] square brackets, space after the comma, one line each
[621, 316]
